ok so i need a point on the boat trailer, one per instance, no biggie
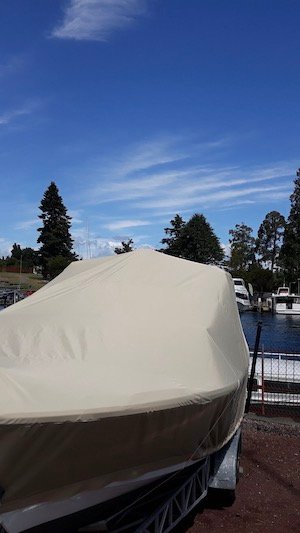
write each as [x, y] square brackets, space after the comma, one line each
[157, 507]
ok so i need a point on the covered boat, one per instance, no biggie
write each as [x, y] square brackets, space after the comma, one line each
[119, 369]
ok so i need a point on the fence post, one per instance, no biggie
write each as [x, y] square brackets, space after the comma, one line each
[251, 379]
[262, 381]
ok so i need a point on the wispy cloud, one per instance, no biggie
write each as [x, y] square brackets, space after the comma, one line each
[27, 224]
[95, 20]
[147, 155]
[142, 167]
[166, 175]
[12, 114]
[151, 181]
[124, 224]
[12, 65]
[76, 216]
[208, 198]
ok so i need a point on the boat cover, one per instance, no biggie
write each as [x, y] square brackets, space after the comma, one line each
[118, 366]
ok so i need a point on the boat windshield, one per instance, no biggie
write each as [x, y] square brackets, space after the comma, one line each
[283, 290]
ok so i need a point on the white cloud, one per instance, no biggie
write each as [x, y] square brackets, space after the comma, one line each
[5, 247]
[95, 20]
[227, 249]
[123, 224]
[88, 245]
[95, 247]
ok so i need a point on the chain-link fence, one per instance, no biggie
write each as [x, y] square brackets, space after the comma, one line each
[276, 386]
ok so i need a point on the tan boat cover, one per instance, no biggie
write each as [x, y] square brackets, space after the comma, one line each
[118, 366]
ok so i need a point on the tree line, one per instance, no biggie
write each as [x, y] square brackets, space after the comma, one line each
[267, 260]
[273, 257]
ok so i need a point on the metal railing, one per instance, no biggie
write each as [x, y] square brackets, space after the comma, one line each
[276, 384]
[9, 296]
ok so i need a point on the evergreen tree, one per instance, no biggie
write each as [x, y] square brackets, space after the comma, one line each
[126, 246]
[198, 241]
[27, 255]
[173, 240]
[269, 237]
[16, 251]
[242, 248]
[55, 234]
[290, 250]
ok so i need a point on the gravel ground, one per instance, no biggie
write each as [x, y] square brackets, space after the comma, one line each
[268, 493]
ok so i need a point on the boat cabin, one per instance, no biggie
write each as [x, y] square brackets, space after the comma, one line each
[286, 303]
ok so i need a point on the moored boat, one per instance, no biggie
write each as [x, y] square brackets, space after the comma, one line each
[118, 371]
[242, 294]
[286, 303]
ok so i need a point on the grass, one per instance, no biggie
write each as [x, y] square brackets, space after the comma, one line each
[27, 281]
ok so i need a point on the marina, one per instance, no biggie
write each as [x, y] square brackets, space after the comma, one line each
[149, 267]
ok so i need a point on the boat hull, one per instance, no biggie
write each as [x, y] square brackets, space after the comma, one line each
[53, 461]
[243, 307]
[288, 312]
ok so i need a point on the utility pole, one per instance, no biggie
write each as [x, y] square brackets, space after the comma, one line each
[20, 272]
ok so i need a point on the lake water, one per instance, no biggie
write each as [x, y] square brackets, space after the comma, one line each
[279, 332]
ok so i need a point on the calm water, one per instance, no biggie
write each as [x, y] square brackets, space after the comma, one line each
[279, 332]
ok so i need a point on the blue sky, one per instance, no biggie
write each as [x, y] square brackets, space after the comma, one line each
[141, 109]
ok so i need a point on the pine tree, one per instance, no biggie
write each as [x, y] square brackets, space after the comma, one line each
[290, 250]
[173, 241]
[269, 237]
[126, 246]
[199, 243]
[194, 240]
[242, 248]
[55, 234]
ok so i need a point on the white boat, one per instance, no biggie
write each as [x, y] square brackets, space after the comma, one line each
[242, 294]
[120, 370]
[286, 303]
